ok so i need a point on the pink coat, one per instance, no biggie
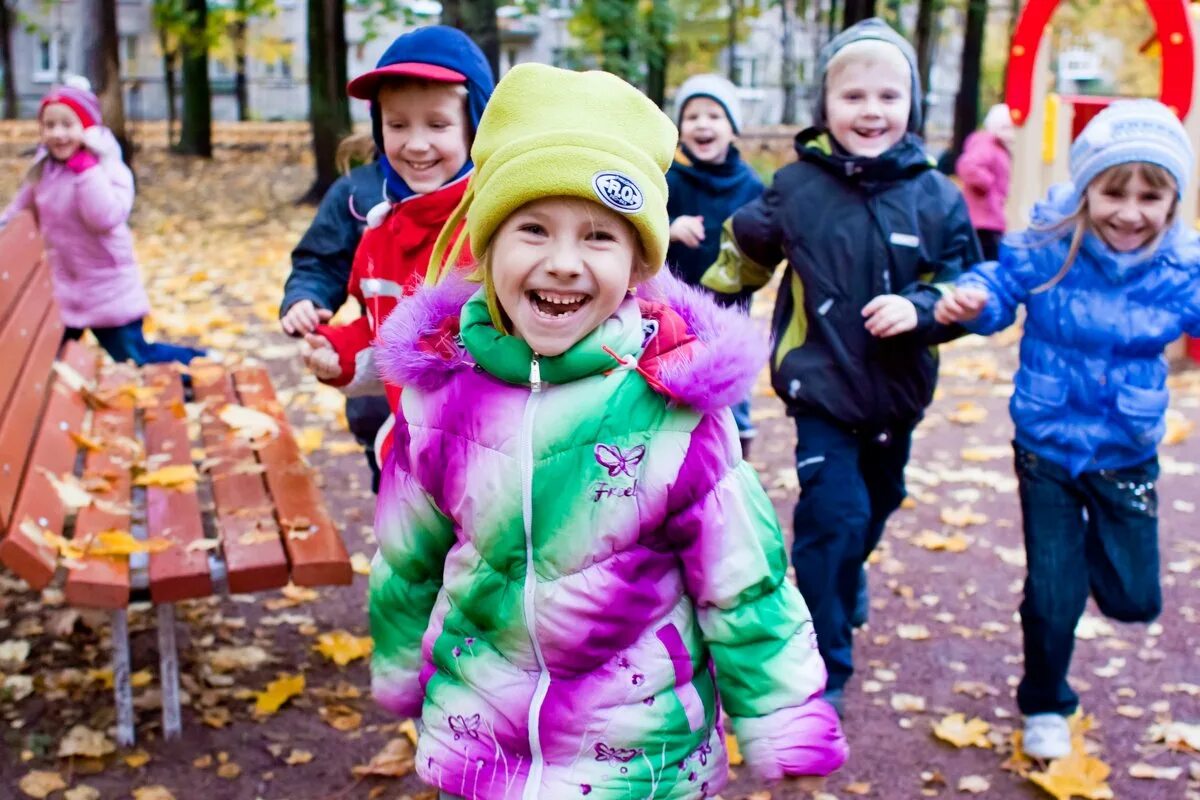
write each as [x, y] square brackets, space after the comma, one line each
[82, 218]
[985, 168]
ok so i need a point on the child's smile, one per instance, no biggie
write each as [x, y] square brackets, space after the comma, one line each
[705, 129]
[561, 267]
[1129, 217]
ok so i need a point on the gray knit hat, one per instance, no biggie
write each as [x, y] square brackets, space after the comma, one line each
[714, 87]
[873, 28]
[1129, 131]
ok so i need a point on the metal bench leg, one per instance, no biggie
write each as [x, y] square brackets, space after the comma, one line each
[168, 670]
[121, 687]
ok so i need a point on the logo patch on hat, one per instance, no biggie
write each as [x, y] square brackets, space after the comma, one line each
[618, 192]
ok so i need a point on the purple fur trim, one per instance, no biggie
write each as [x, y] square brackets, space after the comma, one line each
[399, 358]
[724, 370]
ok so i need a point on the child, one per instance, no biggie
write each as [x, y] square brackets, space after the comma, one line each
[427, 93]
[1109, 278]
[317, 285]
[867, 226]
[573, 557]
[985, 169]
[81, 193]
[707, 182]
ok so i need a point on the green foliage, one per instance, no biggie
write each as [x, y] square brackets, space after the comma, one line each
[380, 15]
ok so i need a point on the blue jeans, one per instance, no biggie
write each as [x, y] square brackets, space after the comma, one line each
[1097, 532]
[850, 483]
[741, 415]
[128, 343]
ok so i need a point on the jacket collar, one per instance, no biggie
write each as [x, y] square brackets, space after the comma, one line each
[903, 160]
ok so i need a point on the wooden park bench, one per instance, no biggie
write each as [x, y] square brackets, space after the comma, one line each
[108, 479]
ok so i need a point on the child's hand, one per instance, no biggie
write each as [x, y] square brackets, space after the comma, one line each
[102, 143]
[688, 231]
[303, 317]
[960, 304]
[321, 358]
[890, 315]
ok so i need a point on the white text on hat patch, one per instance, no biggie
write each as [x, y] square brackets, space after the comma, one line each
[618, 192]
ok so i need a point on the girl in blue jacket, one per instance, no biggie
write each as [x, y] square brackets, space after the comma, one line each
[1109, 277]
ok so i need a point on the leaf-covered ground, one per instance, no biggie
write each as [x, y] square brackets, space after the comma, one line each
[271, 713]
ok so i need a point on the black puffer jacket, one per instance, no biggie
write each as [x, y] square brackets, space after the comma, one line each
[852, 229]
[321, 261]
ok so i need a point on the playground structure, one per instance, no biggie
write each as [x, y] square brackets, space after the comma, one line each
[1047, 123]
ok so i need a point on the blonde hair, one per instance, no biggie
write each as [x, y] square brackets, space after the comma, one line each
[1079, 221]
[867, 52]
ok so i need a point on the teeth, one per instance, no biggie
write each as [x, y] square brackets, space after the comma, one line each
[560, 299]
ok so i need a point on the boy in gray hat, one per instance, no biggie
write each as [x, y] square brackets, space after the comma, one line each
[868, 229]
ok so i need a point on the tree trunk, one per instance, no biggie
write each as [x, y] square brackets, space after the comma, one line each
[195, 135]
[787, 16]
[734, 13]
[477, 19]
[659, 21]
[102, 66]
[925, 36]
[966, 105]
[239, 60]
[329, 108]
[833, 19]
[11, 103]
[168, 61]
[857, 11]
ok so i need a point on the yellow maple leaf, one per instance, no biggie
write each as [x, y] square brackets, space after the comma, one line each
[123, 544]
[248, 423]
[967, 413]
[735, 752]
[83, 741]
[1077, 775]
[342, 647]
[1179, 428]
[931, 540]
[395, 760]
[138, 758]
[961, 732]
[298, 757]
[962, 517]
[341, 717]
[69, 489]
[409, 729]
[179, 476]
[86, 442]
[153, 793]
[309, 439]
[277, 693]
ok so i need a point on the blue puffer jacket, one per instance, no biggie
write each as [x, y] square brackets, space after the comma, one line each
[1091, 389]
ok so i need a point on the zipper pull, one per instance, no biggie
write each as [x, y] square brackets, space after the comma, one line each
[535, 374]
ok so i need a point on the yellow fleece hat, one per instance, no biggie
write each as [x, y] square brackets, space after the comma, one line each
[549, 132]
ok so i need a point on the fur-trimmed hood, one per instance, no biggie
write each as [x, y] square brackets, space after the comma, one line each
[697, 355]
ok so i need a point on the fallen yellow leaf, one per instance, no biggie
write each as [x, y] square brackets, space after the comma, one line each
[179, 476]
[395, 760]
[1077, 775]
[41, 784]
[360, 564]
[277, 693]
[930, 540]
[735, 752]
[962, 517]
[341, 717]
[137, 759]
[967, 413]
[83, 741]
[298, 757]
[342, 647]
[249, 423]
[961, 732]
[1179, 428]
[123, 544]
[309, 439]
[153, 793]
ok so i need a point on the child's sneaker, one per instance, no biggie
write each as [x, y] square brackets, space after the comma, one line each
[1047, 736]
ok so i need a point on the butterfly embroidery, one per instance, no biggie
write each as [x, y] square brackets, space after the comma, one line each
[465, 726]
[619, 462]
[621, 754]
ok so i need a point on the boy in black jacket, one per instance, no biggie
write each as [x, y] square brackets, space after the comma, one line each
[869, 229]
[316, 287]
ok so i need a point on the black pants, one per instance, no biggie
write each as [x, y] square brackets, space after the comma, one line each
[849, 484]
[990, 242]
[365, 416]
[1096, 532]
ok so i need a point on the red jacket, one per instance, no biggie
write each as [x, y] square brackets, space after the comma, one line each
[390, 263]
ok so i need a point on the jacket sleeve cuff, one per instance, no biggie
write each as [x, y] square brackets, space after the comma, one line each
[346, 346]
[794, 741]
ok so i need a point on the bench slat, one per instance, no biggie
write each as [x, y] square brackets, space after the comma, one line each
[20, 418]
[177, 573]
[18, 332]
[53, 450]
[254, 554]
[315, 549]
[21, 245]
[102, 582]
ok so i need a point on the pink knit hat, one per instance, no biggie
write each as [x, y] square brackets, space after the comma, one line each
[79, 99]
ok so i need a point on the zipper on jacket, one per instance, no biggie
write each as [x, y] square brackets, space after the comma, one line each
[534, 780]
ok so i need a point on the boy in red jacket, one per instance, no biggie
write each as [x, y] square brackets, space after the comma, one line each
[427, 94]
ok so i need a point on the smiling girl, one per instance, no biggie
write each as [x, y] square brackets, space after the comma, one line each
[1109, 277]
[573, 556]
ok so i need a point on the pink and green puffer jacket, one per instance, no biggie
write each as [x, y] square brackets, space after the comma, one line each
[576, 570]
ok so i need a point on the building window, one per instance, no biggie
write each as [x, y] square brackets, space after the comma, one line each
[129, 54]
[46, 57]
[748, 71]
[285, 60]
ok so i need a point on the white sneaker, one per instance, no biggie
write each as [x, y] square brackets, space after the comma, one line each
[1047, 736]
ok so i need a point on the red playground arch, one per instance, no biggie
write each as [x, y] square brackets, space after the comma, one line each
[1174, 36]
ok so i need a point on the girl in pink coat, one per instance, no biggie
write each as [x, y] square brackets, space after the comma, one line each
[985, 169]
[81, 193]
